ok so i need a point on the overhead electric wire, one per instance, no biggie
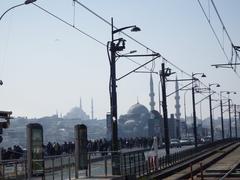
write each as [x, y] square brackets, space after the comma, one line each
[84, 33]
[224, 27]
[67, 23]
[99, 42]
[107, 22]
[218, 40]
[138, 42]
[213, 30]
[229, 38]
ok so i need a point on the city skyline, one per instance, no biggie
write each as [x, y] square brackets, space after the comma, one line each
[45, 65]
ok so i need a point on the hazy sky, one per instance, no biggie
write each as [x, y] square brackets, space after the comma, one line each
[46, 66]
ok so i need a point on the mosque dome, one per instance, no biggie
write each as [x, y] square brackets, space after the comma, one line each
[137, 109]
[155, 114]
[76, 112]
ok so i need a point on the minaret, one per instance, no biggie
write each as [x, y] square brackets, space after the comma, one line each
[177, 98]
[151, 94]
[92, 108]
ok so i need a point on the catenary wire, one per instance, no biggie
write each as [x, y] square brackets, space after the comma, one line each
[79, 30]
[138, 42]
[99, 42]
[217, 38]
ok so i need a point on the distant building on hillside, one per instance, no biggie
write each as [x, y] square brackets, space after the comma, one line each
[77, 113]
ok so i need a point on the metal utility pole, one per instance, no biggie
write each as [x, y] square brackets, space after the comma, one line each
[113, 103]
[194, 115]
[163, 74]
[117, 45]
[210, 108]
[194, 108]
[230, 121]
[211, 120]
[238, 118]
[221, 107]
[185, 114]
[235, 116]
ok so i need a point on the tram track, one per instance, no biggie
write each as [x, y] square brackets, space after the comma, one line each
[191, 168]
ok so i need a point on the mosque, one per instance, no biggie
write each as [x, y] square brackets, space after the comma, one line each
[140, 122]
[79, 113]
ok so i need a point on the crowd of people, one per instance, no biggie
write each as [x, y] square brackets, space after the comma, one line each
[52, 149]
[14, 152]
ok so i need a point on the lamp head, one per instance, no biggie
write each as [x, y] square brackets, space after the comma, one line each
[29, 1]
[203, 75]
[1, 83]
[218, 85]
[133, 51]
[135, 29]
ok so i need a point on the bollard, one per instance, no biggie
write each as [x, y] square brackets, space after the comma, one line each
[35, 151]
[81, 155]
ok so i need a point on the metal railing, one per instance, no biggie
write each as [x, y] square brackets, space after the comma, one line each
[13, 169]
[134, 163]
[139, 164]
[60, 167]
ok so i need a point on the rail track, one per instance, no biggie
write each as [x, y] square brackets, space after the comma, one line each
[198, 167]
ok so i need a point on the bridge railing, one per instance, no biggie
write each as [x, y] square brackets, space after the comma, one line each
[139, 164]
[133, 163]
[13, 169]
[60, 166]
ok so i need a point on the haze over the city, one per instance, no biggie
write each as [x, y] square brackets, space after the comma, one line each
[46, 66]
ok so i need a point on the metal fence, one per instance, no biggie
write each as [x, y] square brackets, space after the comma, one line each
[60, 167]
[13, 169]
[137, 163]
[134, 163]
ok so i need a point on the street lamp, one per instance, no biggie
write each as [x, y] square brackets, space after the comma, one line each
[210, 108]
[116, 45]
[229, 112]
[235, 117]
[194, 108]
[221, 108]
[25, 3]
[6, 114]
[185, 114]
